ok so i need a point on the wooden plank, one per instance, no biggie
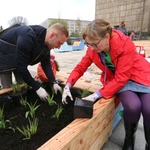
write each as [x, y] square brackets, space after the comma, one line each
[3, 91]
[85, 133]
[117, 116]
[97, 145]
[76, 43]
[81, 83]
[145, 43]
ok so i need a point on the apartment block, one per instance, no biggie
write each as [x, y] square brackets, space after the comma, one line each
[73, 25]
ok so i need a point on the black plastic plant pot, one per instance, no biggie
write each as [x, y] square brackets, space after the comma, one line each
[5, 102]
[83, 108]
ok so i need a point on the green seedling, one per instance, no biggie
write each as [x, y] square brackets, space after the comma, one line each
[53, 91]
[84, 92]
[25, 132]
[58, 112]
[50, 100]
[1, 112]
[30, 129]
[3, 122]
[32, 109]
[26, 86]
[23, 101]
[33, 125]
[16, 88]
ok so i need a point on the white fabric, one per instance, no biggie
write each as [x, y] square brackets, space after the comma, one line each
[66, 93]
[52, 53]
[42, 94]
[57, 88]
[92, 97]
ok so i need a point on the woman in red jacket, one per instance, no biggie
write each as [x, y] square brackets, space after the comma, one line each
[124, 73]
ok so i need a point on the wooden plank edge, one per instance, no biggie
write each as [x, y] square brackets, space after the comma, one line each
[75, 132]
[3, 91]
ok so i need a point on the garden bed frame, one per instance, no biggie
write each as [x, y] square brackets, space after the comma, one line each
[3, 91]
[89, 134]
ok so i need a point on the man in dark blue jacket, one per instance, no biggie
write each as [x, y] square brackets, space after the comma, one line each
[21, 46]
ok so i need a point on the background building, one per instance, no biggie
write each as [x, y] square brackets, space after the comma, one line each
[73, 25]
[135, 13]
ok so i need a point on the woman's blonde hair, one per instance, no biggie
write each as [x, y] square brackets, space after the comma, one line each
[97, 28]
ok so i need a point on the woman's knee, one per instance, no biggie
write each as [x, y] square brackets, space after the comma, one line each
[130, 102]
[133, 109]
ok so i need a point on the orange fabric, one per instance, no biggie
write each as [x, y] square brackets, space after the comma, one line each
[40, 73]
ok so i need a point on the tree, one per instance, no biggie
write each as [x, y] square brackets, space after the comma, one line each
[142, 20]
[60, 21]
[18, 20]
[74, 34]
[78, 24]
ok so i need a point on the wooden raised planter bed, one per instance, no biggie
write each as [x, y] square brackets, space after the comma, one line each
[85, 133]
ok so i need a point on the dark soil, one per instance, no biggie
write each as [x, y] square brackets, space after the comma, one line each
[47, 126]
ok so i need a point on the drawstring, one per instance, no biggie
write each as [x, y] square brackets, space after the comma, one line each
[103, 61]
[136, 86]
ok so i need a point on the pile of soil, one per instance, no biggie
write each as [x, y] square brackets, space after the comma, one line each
[47, 126]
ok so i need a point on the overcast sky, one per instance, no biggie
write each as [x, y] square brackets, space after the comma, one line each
[37, 11]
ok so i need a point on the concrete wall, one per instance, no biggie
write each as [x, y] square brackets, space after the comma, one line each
[135, 13]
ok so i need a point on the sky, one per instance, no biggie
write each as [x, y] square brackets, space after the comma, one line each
[37, 11]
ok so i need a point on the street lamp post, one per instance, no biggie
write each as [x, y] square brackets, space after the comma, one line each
[142, 19]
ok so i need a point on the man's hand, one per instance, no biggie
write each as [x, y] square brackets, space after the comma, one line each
[57, 88]
[42, 94]
[92, 97]
[66, 93]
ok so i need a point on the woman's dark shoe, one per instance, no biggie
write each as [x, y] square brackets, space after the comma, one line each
[147, 137]
[130, 130]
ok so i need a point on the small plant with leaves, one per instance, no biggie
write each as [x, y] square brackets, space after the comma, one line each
[58, 112]
[16, 88]
[84, 92]
[33, 125]
[32, 109]
[52, 89]
[30, 129]
[25, 132]
[23, 101]
[26, 86]
[50, 100]
[3, 122]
